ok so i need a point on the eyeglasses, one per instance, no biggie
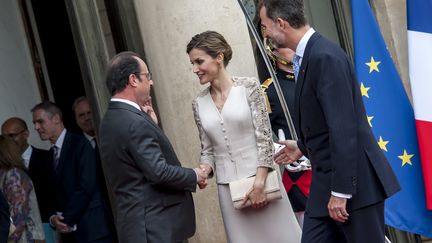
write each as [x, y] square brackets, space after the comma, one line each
[147, 75]
[14, 135]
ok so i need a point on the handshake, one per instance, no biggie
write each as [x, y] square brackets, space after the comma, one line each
[202, 175]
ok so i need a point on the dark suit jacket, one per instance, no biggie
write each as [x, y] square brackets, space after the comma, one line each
[101, 183]
[151, 189]
[334, 134]
[4, 218]
[42, 174]
[78, 196]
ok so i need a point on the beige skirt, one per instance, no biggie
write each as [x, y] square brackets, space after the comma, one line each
[275, 223]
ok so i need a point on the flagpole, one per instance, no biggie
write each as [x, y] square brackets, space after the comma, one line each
[271, 71]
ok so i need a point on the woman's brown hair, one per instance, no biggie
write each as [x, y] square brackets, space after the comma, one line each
[10, 156]
[212, 43]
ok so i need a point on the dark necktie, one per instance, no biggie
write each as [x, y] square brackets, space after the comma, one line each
[56, 156]
[94, 143]
[296, 66]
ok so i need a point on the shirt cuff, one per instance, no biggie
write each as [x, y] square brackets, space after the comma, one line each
[341, 195]
[50, 221]
[196, 173]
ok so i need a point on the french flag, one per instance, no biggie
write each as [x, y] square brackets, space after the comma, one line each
[420, 71]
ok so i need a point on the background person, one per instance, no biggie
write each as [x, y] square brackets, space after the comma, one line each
[296, 181]
[79, 214]
[18, 190]
[38, 163]
[84, 120]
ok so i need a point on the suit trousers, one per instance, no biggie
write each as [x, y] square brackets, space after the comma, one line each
[70, 238]
[369, 219]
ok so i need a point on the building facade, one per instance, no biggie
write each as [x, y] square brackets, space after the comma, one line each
[58, 50]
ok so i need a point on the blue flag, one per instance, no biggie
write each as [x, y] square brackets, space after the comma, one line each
[391, 117]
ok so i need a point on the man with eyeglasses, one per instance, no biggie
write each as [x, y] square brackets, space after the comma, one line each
[152, 190]
[38, 162]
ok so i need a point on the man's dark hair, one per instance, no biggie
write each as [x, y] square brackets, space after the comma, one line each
[50, 108]
[291, 11]
[120, 67]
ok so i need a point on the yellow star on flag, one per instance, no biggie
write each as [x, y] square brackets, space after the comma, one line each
[373, 65]
[406, 158]
[364, 90]
[382, 143]
[369, 118]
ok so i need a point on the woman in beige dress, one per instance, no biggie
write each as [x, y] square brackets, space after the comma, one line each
[236, 143]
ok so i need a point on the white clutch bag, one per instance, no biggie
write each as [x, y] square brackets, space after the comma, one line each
[239, 188]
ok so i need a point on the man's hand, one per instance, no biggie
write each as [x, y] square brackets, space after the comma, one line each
[207, 170]
[202, 184]
[289, 153]
[147, 107]
[337, 209]
[57, 221]
[201, 177]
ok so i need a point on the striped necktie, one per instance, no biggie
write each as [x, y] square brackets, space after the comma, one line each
[56, 156]
[296, 65]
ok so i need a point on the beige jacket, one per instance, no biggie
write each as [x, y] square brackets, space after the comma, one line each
[237, 139]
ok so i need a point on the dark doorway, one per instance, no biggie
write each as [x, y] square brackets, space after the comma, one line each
[60, 55]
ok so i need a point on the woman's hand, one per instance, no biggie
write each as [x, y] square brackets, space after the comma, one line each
[256, 194]
[257, 197]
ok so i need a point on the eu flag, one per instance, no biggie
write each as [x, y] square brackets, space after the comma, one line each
[391, 117]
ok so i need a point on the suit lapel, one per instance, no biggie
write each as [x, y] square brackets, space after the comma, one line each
[63, 154]
[301, 77]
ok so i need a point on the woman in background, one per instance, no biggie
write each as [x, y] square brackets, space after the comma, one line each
[236, 143]
[19, 193]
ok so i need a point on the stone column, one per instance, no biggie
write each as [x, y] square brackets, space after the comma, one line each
[166, 28]
[392, 19]
[92, 52]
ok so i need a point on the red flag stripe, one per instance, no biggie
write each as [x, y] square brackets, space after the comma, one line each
[424, 134]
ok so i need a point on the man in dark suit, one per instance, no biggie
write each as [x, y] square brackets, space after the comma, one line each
[39, 165]
[152, 192]
[351, 177]
[79, 214]
[84, 120]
